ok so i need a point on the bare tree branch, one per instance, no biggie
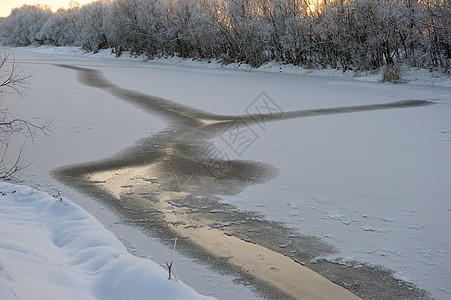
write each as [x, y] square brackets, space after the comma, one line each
[15, 80]
[7, 169]
[28, 129]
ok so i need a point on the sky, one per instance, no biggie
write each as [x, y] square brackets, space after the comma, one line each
[7, 5]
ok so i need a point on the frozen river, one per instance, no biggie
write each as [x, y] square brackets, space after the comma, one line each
[372, 185]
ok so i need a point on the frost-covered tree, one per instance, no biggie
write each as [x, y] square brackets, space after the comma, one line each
[345, 34]
[91, 26]
[123, 26]
[61, 28]
[21, 28]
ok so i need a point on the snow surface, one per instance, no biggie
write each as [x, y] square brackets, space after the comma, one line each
[50, 248]
[374, 184]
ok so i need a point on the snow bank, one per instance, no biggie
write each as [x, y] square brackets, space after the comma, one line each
[51, 248]
[417, 76]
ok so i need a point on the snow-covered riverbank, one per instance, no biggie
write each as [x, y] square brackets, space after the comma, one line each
[50, 248]
[417, 76]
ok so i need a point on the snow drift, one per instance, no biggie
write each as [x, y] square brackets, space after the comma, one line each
[50, 248]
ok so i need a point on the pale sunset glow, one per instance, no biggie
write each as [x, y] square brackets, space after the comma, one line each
[313, 4]
[7, 5]
[312, 7]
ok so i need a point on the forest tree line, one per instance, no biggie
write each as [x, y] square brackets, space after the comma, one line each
[343, 34]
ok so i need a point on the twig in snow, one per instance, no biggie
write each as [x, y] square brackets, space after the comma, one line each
[170, 266]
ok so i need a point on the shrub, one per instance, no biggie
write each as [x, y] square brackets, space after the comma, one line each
[392, 73]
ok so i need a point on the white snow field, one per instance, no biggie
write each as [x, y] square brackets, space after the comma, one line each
[50, 248]
[376, 184]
